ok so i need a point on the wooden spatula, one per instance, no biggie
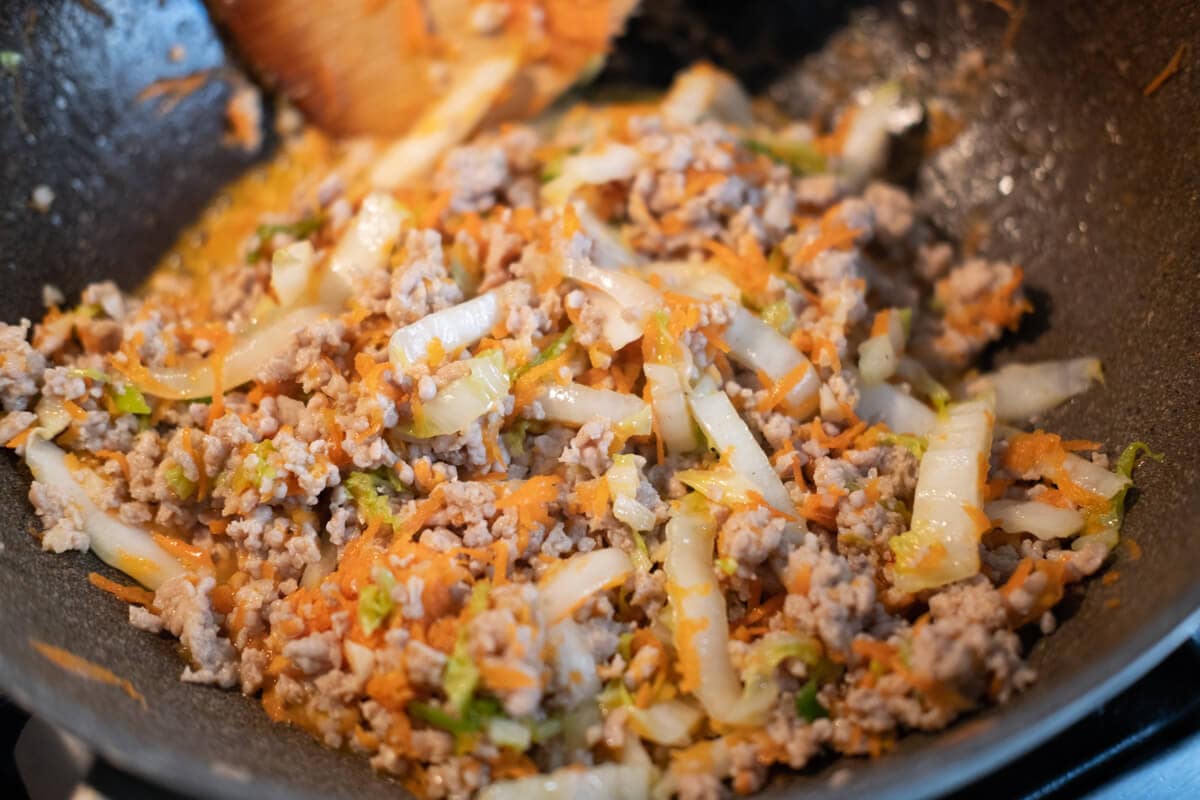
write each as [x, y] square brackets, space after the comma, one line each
[373, 66]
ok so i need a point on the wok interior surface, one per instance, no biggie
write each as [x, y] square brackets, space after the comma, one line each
[1101, 210]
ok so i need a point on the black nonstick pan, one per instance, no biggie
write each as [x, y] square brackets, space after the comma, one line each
[1065, 165]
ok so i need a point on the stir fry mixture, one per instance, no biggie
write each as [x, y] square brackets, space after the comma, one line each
[635, 451]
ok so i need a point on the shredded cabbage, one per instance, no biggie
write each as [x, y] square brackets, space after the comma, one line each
[125, 547]
[901, 412]
[1105, 527]
[720, 484]
[375, 600]
[575, 404]
[181, 486]
[364, 247]
[797, 154]
[629, 300]
[551, 351]
[702, 624]
[865, 147]
[755, 344]
[455, 327]
[623, 479]
[922, 382]
[669, 405]
[192, 378]
[509, 733]
[613, 162]
[605, 782]
[291, 269]
[705, 92]
[808, 707]
[465, 400]
[669, 722]
[948, 519]
[1029, 516]
[694, 278]
[1025, 390]
[580, 577]
[607, 248]
[728, 433]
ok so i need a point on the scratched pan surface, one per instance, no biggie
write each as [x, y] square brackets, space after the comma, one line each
[1094, 188]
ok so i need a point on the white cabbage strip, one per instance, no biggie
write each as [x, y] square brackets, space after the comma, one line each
[365, 247]
[580, 577]
[902, 413]
[1029, 516]
[701, 622]
[947, 516]
[879, 356]
[670, 408]
[613, 162]
[605, 782]
[607, 248]
[576, 404]
[291, 269]
[630, 300]
[125, 547]
[446, 124]
[866, 144]
[461, 402]
[733, 440]
[755, 344]
[455, 327]
[668, 722]
[694, 278]
[193, 377]
[1025, 390]
[701, 92]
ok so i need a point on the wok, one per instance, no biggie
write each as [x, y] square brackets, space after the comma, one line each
[1077, 175]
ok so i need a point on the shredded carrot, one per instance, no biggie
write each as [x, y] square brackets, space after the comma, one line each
[1135, 549]
[834, 235]
[19, 439]
[528, 386]
[499, 675]
[135, 595]
[500, 563]
[531, 500]
[192, 556]
[412, 524]
[1044, 453]
[119, 457]
[978, 518]
[1002, 307]
[1167, 73]
[591, 498]
[841, 441]
[996, 487]
[1052, 591]
[77, 665]
[778, 391]
[822, 345]
[1110, 577]
[1112, 602]
[814, 509]
[74, 410]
